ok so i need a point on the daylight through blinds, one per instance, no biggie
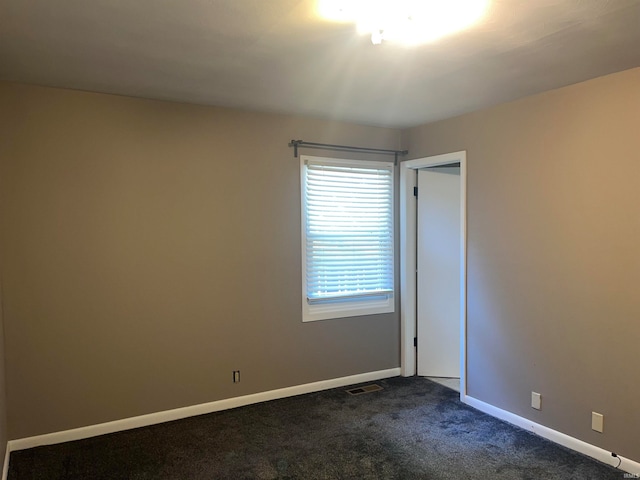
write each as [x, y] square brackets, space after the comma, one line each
[349, 230]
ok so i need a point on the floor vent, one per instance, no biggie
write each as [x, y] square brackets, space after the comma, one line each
[366, 389]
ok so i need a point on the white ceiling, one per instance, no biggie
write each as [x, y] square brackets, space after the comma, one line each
[276, 55]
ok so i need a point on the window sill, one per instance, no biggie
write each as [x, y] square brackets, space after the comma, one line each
[356, 308]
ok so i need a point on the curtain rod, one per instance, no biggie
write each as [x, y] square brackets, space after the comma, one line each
[346, 148]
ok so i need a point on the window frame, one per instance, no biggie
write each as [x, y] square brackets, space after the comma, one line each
[332, 309]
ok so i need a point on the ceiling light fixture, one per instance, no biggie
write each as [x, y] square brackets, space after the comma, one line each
[409, 22]
[377, 36]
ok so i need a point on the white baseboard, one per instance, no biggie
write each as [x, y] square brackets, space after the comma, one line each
[5, 468]
[592, 451]
[572, 443]
[184, 412]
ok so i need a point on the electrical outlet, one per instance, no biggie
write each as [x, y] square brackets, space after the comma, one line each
[236, 376]
[536, 401]
[597, 422]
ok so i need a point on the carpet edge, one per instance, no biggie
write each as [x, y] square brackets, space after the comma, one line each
[627, 465]
[191, 411]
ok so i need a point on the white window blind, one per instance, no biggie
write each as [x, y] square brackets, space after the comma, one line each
[348, 230]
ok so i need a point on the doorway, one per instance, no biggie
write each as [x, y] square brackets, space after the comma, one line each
[438, 272]
[441, 347]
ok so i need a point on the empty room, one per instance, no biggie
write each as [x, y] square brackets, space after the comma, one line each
[319, 239]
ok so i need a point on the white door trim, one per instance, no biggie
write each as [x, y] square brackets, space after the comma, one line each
[408, 260]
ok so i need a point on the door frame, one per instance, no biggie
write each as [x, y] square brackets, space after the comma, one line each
[408, 260]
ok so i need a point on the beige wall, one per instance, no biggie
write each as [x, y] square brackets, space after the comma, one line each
[150, 249]
[553, 254]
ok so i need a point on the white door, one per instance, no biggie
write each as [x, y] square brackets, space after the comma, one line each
[438, 279]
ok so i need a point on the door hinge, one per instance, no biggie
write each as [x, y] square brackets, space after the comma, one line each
[415, 191]
[415, 341]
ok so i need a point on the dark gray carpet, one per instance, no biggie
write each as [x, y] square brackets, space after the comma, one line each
[413, 429]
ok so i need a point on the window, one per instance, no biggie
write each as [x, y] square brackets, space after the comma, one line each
[347, 238]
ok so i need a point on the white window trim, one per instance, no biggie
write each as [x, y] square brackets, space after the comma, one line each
[384, 303]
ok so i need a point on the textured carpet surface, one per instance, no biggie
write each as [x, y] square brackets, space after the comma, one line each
[413, 429]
